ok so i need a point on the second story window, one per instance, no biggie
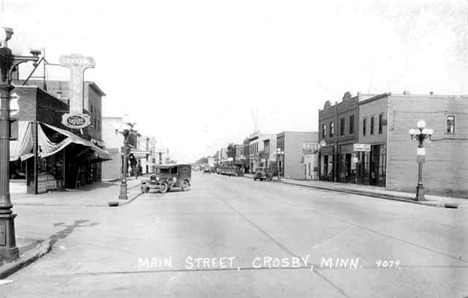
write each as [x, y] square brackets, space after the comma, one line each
[450, 126]
[372, 125]
[364, 128]
[380, 124]
[332, 129]
[324, 131]
[351, 124]
[342, 126]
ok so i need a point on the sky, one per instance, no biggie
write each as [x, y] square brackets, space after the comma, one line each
[198, 75]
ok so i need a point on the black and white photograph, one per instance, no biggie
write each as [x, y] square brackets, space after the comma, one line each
[249, 148]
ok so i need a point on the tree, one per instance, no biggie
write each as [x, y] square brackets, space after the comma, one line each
[231, 151]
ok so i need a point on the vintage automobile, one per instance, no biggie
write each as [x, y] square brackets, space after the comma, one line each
[263, 173]
[207, 170]
[167, 177]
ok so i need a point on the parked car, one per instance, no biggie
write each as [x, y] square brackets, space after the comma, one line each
[262, 174]
[207, 170]
[167, 177]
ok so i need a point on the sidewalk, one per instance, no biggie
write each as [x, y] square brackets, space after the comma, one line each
[98, 194]
[378, 192]
[95, 194]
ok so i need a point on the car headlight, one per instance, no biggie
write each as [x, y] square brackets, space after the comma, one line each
[157, 178]
[174, 179]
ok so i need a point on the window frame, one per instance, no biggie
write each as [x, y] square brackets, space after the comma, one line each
[351, 124]
[454, 123]
[364, 126]
[332, 129]
[372, 125]
[342, 126]
[380, 123]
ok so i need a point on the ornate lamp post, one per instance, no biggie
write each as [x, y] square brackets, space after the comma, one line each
[279, 153]
[8, 64]
[420, 135]
[126, 130]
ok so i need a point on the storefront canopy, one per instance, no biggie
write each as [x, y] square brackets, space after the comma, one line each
[48, 147]
[22, 147]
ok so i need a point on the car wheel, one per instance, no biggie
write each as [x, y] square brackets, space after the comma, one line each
[146, 189]
[185, 185]
[164, 188]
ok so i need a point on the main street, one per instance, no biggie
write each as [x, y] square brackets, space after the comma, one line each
[233, 237]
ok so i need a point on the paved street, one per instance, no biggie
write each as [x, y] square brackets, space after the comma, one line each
[233, 237]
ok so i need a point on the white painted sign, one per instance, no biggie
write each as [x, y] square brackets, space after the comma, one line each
[362, 147]
[77, 65]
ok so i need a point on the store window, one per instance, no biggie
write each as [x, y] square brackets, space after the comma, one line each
[450, 124]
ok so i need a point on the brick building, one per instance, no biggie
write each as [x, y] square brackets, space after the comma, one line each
[338, 127]
[377, 149]
[51, 154]
[445, 170]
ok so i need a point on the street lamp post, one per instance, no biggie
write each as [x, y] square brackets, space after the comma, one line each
[279, 153]
[126, 131]
[8, 64]
[420, 135]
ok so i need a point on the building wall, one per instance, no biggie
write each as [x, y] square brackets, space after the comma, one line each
[445, 170]
[293, 152]
[112, 169]
[93, 104]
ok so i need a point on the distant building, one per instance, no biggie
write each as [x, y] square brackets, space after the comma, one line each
[261, 150]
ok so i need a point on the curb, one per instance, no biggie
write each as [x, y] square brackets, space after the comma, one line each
[25, 259]
[378, 195]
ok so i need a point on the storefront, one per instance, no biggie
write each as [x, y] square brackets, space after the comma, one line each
[326, 164]
[54, 158]
[346, 166]
[372, 165]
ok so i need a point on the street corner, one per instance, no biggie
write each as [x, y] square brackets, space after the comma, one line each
[29, 251]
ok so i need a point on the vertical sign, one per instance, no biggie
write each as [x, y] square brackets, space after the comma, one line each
[77, 65]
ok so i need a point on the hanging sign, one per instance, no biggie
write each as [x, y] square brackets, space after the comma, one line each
[77, 65]
[76, 121]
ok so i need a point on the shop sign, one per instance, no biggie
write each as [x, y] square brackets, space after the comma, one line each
[77, 65]
[362, 147]
[76, 121]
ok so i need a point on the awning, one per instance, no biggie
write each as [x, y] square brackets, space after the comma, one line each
[22, 147]
[49, 148]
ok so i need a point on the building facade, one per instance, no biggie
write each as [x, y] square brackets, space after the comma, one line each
[52, 155]
[377, 149]
[299, 159]
[445, 170]
[262, 149]
[339, 126]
